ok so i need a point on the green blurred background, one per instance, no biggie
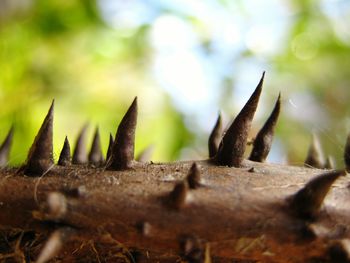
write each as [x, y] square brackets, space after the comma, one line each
[185, 60]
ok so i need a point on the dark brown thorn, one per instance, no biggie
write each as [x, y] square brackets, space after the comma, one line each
[215, 137]
[347, 154]
[54, 244]
[194, 177]
[79, 154]
[122, 155]
[95, 155]
[307, 202]
[64, 159]
[110, 145]
[315, 157]
[330, 163]
[178, 196]
[145, 155]
[40, 158]
[5, 148]
[234, 141]
[263, 141]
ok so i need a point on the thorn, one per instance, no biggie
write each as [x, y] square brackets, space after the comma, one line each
[79, 154]
[234, 141]
[122, 154]
[64, 159]
[194, 177]
[263, 141]
[95, 155]
[215, 137]
[40, 158]
[5, 148]
[307, 202]
[330, 163]
[178, 196]
[347, 154]
[145, 155]
[110, 145]
[315, 154]
[53, 245]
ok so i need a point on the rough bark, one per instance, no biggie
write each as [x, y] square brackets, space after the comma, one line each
[241, 213]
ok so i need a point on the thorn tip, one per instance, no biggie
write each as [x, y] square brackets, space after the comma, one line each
[122, 155]
[40, 157]
[79, 153]
[194, 177]
[263, 141]
[65, 158]
[95, 155]
[234, 141]
[215, 137]
[315, 156]
[307, 202]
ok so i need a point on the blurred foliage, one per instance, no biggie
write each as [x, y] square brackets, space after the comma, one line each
[65, 50]
[316, 63]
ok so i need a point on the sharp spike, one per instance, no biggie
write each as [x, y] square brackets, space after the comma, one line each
[315, 157]
[5, 148]
[79, 154]
[178, 196]
[64, 159]
[347, 154]
[307, 202]
[122, 154]
[263, 141]
[194, 177]
[95, 155]
[145, 155]
[215, 137]
[110, 145]
[234, 141]
[40, 157]
[330, 163]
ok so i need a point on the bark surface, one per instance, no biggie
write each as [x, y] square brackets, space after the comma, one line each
[242, 214]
